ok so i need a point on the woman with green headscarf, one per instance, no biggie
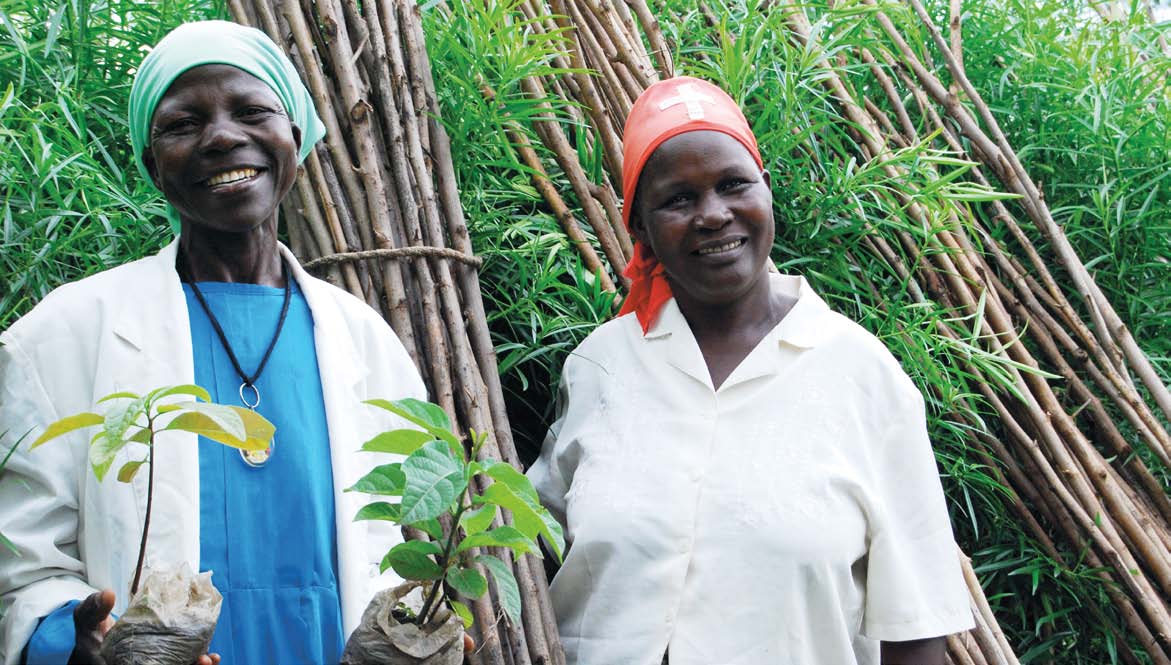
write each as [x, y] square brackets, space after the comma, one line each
[219, 121]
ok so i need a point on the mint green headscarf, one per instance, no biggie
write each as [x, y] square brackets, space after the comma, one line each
[218, 43]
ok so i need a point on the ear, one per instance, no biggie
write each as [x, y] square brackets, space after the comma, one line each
[148, 160]
[767, 177]
[296, 136]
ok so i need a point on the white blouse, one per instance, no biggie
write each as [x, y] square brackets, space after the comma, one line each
[792, 517]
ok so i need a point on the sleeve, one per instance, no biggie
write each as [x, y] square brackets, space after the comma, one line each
[914, 587]
[53, 640]
[38, 507]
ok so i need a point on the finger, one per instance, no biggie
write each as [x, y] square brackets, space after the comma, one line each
[469, 643]
[92, 612]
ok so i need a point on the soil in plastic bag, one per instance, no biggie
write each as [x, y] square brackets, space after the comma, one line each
[170, 620]
[381, 639]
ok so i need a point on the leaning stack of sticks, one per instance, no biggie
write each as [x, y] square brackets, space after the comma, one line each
[376, 211]
[1101, 499]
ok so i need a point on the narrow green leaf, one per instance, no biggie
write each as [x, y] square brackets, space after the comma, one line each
[434, 481]
[185, 389]
[505, 585]
[128, 470]
[379, 510]
[10, 546]
[504, 536]
[412, 560]
[386, 480]
[121, 395]
[462, 612]
[467, 581]
[399, 441]
[66, 425]
[475, 521]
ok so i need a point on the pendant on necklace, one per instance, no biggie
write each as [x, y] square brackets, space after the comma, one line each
[255, 458]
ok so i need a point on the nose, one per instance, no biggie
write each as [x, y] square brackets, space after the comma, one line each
[712, 213]
[222, 134]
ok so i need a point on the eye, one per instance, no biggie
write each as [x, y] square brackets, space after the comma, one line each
[734, 184]
[255, 112]
[177, 126]
[676, 200]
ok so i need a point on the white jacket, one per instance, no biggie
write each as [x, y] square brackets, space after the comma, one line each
[127, 329]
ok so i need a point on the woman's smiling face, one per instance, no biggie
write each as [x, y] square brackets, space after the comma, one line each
[705, 209]
[222, 149]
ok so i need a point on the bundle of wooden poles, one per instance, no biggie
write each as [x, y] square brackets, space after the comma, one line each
[376, 210]
[1075, 477]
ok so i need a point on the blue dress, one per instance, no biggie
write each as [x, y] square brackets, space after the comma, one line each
[268, 534]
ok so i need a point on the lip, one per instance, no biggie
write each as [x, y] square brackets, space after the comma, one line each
[721, 247]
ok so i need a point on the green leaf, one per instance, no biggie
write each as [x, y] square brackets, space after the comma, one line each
[462, 612]
[505, 585]
[475, 521]
[379, 510]
[528, 516]
[117, 421]
[431, 527]
[503, 472]
[200, 423]
[227, 420]
[121, 395]
[185, 389]
[102, 450]
[128, 470]
[399, 441]
[67, 425]
[141, 436]
[424, 414]
[386, 480]
[412, 560]
[504, 536]
[10, 546]
[468, 581]
[434, 481]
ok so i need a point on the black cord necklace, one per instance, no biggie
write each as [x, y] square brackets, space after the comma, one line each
[254, 458]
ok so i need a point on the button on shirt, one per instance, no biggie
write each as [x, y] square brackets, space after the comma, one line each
[794, 516]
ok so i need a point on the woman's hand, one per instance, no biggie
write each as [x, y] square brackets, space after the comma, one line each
[92, 620]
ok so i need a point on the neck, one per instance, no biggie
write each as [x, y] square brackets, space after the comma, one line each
[753, 313]
[215, 256]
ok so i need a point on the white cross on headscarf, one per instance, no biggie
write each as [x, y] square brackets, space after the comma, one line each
[687, 94]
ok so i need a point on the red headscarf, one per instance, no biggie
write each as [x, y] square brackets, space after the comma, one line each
[665, 109]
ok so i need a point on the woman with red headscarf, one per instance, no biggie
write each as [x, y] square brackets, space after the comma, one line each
[744, 475]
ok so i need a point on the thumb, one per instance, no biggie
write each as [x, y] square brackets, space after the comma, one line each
[94, 610]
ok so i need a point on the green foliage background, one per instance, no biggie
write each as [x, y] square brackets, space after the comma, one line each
[1078, 103]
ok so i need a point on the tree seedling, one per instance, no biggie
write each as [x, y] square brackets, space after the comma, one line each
[140, 419]
[436, 480]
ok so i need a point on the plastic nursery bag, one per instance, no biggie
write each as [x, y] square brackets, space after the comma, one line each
[170, 620]
[381, 639]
